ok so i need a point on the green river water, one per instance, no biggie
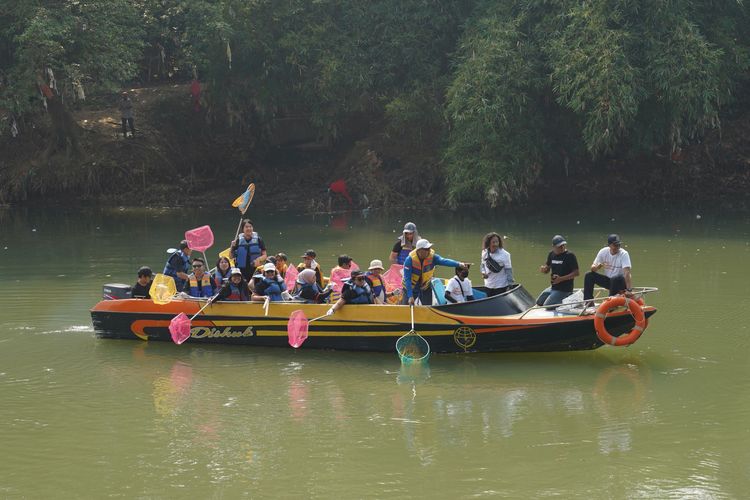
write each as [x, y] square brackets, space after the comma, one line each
[82, 417]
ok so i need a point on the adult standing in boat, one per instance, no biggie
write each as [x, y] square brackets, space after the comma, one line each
[199, 283]
[356, 291]
[236, 289]
[495, 266]
[248, 250]
[419, 267]
[564, 267]
[178, 265]
[142, 287]
[404, 244]
[309, 262]
[616, 265]
[221, 274]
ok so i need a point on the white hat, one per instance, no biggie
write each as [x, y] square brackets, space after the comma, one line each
[235, 270]
[375, 264]
[423, 243]
[269, 267]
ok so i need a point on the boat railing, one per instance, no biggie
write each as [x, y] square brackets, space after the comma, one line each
[600, 295]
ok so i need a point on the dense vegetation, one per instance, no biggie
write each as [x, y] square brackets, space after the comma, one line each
[502, 90]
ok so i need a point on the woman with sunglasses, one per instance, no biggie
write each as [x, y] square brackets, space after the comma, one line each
[271, 285]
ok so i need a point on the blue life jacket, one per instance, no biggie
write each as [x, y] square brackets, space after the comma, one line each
[402, 255]
[236, 293]
[363, 294]
[172, 271]
[203, 289]
[273, 289]
[219, 278]
[247, 250]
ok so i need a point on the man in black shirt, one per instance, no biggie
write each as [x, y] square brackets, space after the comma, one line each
[564, 267]
[142, 287]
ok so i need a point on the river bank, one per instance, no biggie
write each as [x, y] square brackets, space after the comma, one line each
[176, 158]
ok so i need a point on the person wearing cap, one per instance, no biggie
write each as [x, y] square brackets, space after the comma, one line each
[564, 267]
[374, 278]
[615, 263]
[495, 265]
[356, 290]
[142, 287]
[419, 267]
[178, 265]
[459, 287]
[307, 288]
[199, 283]
[309, 262]
[271, 285]
[248, 250]
[236, 289]
[404, 244]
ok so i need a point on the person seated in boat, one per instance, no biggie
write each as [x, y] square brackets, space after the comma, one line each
[374, 278]
[248, 249]
[142, 287]
[495, 265]
[271, 285]
[259, 273]
[404, 244]
[356, 290]
[282, 264]
[616, 264]
[309, 262]
[221, 273]
[419, 267]
[307, 288]
[199, 283]
[236, 289]
[178, 265]
[564, 267]
[459, 287]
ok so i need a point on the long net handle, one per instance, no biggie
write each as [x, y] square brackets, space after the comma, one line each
[205, 306]
[411, 309]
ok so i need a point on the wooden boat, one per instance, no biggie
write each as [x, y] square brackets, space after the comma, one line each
[503, 323]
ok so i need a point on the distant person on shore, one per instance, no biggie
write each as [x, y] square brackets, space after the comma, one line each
[616, 264]
[142, 287]
[564, 267]
[419, 267]
[126, 113]
[495, 266]
[248, 250]
[459, 287]
[178, 265]
[309, 262]
[221, 273]
[236, 289]
[307, 288]
[356, 290]
[199, 282]
[404, 244]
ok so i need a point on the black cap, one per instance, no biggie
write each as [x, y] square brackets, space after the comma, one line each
[310, 253]
[145, 271]
[184, 245]
[613, 239]
[356, 273]
[558, 240]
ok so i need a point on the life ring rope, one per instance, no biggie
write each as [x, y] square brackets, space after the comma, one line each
[634, 307]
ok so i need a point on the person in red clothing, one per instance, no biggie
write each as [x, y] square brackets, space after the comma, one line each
[339, 187]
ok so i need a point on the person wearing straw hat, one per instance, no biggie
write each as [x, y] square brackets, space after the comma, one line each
[236, 289]
[564, 267]
[404, 244]
[419, 267]
[374, 277]
[142, 287]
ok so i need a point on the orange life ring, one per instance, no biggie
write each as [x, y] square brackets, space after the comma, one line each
[635, 310]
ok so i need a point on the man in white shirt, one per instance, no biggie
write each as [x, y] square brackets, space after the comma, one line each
[459, 287]
[616, 265]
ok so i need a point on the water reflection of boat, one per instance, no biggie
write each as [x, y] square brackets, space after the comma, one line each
[507, 322]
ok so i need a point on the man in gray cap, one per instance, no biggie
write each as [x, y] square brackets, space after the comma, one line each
[404, 244]
[564, 267]
[616, 265]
